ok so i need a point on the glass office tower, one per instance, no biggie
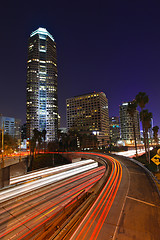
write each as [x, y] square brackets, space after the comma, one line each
[42, 102]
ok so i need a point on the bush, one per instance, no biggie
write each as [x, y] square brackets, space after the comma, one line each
[42, 161]
[48, 160]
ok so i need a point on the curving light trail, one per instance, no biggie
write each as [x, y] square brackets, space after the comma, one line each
[93, 222]
[46, 172]
[25, 188]
[35, 220]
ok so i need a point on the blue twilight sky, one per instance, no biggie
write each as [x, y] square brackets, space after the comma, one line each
[110, 46]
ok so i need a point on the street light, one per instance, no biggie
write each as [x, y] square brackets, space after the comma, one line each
[2, 129]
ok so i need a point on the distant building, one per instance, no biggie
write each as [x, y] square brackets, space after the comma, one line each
[11, 126]
[59, 121]
[88, 113]
[114, 126]
[17, 128]
[63, 130]
[42, 101]
[126, 125]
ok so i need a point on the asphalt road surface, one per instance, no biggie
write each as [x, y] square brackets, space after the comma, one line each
[137, 204]
[134, 213]
[21, 216]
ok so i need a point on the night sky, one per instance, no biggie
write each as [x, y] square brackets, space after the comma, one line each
[110, 46]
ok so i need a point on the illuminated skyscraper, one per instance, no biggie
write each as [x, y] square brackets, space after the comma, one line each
[126, 124]
[42, 102]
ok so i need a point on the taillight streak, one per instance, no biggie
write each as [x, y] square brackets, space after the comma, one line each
[110, 191]
[60, 186]
[89, 182]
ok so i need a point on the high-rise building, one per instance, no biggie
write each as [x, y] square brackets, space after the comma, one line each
[126, 125]
[88, 113]
[42, 100]
[114, 126]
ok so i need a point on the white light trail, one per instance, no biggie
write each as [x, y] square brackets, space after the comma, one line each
[131, 153]
[49, 171]
[28, 187]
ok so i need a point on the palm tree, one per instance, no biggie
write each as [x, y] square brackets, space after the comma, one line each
[147, 116]
[155, 134]
[44, 137]
[37, 137]
[142, 99]
[132, 107]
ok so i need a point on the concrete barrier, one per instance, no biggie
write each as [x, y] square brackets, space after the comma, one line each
[13, 170]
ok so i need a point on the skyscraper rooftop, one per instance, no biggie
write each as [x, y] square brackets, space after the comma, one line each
[42, 31]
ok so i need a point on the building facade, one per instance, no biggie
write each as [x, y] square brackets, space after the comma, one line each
[42, 100]
[114, 127]
[88, 113]
[126, 125]
[11, 126]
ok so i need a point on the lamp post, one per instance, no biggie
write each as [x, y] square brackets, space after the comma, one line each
[2, 129]
[20, 146]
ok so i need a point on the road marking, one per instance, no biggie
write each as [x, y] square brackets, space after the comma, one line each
[138, 200]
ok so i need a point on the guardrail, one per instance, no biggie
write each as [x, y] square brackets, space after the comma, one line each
[154, 179]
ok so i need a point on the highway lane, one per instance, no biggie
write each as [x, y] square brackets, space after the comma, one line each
[20, 217]
[93, 222]
[127, 208]
[16, 191]
[49, 171]
[140, 212]
[133, 212]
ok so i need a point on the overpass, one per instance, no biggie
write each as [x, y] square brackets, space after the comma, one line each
[13, 165]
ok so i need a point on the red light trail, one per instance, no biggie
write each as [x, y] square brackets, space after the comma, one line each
[49, 210]
[93, 222]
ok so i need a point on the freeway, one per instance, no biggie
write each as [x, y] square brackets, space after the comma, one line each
[24, 217]
[93, 223]
[127, 208]
[21, 189]
[49, 171]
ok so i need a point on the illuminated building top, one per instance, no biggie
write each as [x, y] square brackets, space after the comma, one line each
[42, 31]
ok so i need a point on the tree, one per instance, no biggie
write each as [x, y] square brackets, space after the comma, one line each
[132, 107]
[83, 140]
[142, 99]
[155, 134]
[147, 116]
[44, 137]
[37, 137]
[10, 144]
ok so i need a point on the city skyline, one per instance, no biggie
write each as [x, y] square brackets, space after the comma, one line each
[109, 47]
